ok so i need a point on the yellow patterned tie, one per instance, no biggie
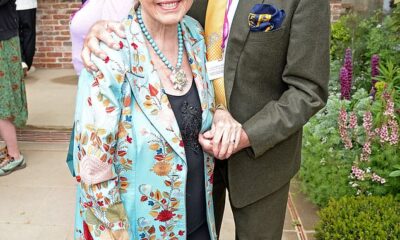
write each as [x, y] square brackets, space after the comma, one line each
[213, 35]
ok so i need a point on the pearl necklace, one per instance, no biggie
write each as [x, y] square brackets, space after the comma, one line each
[178, 75]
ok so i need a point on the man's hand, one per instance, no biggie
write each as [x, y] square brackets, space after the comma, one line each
[207, 144]
[224, 137]
[100, 32]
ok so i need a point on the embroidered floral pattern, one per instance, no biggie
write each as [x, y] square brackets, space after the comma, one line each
[124, 119]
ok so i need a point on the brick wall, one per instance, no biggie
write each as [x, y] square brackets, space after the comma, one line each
[337, 9]
[53, 46]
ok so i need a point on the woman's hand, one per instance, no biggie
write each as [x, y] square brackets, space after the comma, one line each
[100, 32]
[224, 135]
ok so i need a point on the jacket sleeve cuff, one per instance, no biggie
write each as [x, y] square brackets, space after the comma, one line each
[257, 148]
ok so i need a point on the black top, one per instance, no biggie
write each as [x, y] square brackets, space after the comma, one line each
[187, 110]
[8, 20]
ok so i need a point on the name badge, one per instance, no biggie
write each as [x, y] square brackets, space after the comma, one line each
[215, 69]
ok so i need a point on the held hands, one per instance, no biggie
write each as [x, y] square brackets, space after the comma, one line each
[225, 137]
[100, 32]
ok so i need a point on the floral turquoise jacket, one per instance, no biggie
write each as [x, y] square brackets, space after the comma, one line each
[129, 156]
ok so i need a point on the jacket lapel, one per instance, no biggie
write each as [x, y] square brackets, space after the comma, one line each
[196, 55]
[237, 38]
[146, 85]
[147, 89]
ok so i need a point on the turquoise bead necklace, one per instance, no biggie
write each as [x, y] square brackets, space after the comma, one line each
[178, 76]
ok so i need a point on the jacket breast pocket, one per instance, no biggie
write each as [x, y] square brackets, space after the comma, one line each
[265, 37]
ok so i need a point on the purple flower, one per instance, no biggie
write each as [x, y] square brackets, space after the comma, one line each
[374, 67]
[345, 87]
[348, 64]
[374, 73]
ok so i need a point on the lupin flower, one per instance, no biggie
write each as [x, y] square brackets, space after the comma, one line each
[374, 68]
[348, 64]
[353, 120]
[359, 174]
[367, 123]
[378, 179]
[394, 135]
[389, 111]
[344, 84]
[366, 151]
[342, 119]
[384, 133]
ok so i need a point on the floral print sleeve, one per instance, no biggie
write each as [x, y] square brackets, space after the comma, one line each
[99, 105]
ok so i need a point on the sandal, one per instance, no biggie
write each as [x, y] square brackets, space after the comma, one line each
[12, 165]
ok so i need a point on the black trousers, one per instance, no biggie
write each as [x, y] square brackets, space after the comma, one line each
[261, 220]
[27, 34]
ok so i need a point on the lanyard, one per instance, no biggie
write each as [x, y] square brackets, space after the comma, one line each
[226, 29]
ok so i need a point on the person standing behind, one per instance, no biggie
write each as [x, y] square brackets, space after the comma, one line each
[26, 10]
[13, 107]
[91, 12]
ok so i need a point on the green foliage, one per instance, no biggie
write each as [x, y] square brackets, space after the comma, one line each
[326, 163]
[361, 218]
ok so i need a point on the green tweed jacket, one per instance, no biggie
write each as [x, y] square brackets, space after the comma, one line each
[274, 82]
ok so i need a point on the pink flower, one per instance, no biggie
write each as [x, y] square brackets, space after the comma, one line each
[378, 179]
[366, 151]
[343, 129]
[367, 123]
[353, 120]
[384, 134]
[389, 111]
[358, 173]
[394, 128]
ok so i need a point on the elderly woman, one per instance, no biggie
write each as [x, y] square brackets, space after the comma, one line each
[142, 172]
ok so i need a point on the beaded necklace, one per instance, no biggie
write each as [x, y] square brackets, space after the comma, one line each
[178, 75]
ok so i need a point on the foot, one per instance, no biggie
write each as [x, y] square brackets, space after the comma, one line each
[3, 154]
[10, 163]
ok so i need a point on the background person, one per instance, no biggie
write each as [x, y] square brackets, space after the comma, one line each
[13, 107]
[26, 10]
